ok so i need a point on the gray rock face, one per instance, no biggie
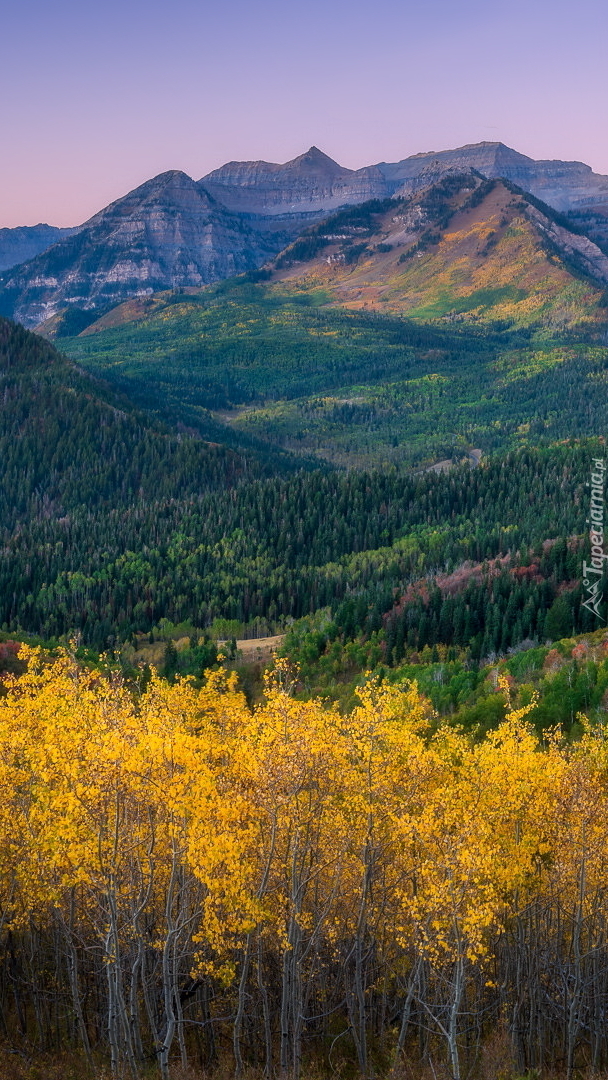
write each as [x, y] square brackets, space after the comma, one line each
[26, 241]
[564, 185]
[588, 256]
[173, 232]
[310, 184]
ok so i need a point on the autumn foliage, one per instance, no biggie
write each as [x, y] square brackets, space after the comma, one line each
[183, 878]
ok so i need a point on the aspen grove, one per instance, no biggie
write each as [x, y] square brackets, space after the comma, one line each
[185, 879]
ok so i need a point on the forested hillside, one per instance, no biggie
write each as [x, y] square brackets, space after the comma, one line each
[355, 388]
[283, 548]
[112, 523]
[68, 441]
[71, 442]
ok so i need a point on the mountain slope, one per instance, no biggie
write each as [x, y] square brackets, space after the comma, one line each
[68, 442]
[459, 249]
[166, 233]
[564, 185]
[310, 184]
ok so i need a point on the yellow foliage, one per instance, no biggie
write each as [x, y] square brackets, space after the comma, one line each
[184, 822]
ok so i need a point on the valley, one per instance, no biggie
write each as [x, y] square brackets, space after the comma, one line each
[384, 347]
[405, 348]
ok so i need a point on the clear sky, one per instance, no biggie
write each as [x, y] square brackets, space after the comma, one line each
[97, 97]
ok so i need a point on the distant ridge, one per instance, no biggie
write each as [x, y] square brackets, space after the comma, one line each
[26, 241]
[564, 185]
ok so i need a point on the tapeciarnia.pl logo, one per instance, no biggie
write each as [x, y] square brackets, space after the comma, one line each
[593, 571]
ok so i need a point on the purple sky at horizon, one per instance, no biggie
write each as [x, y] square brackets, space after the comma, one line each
[95, 99]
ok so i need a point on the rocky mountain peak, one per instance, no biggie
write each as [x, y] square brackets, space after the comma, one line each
[315, 161]
[167, 233]
[312, 184]
[249, 173]
[171, 188]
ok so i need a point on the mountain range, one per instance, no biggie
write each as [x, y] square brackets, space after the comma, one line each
[173, 232]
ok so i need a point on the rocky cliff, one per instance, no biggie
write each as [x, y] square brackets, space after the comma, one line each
[315, 183]
[311, 184]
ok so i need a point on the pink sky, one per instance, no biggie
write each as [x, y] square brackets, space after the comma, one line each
[95, 99]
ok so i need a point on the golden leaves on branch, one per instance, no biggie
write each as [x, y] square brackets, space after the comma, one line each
[187, 805]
